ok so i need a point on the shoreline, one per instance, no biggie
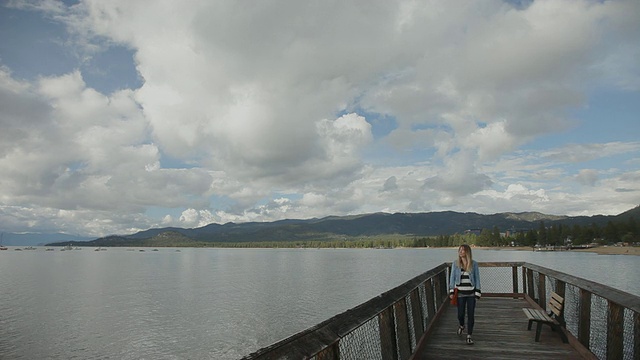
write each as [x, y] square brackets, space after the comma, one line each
[600, 250]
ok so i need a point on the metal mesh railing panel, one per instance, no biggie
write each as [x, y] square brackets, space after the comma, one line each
[536, 282]
[572, 308]
[550, 287]
[496, 280]
[628, 346]
[423, 305]
[598, 337]
[362, 343]
[434, 300]
[412, 330]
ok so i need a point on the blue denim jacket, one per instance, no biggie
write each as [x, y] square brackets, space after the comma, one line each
[474, 276]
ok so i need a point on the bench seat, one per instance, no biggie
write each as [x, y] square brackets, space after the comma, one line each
[556, 304]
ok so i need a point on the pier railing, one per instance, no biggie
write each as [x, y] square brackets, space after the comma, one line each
[603, 321]
[385, 327]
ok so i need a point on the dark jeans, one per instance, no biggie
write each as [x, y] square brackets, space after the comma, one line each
[467, 303]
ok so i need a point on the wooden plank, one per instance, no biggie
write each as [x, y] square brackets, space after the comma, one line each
[538, 315]
[500, 333]
[556, 297]
[556, 304]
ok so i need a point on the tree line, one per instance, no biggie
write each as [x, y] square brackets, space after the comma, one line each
[556, 234]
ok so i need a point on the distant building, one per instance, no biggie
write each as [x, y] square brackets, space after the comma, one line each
[473, 231]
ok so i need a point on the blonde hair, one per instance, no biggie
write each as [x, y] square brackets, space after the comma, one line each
[468, 258]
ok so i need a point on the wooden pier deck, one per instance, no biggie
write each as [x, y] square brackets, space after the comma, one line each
[500, 332]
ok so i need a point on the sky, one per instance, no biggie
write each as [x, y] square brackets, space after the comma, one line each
[119, 116]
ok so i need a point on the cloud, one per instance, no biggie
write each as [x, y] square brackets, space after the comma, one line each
[587, 177]
[390, 184]
[71, 148]
[575, 153]
[192, 218]
[269, 111]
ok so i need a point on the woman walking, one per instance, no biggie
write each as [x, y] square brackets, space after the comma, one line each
[465, 277]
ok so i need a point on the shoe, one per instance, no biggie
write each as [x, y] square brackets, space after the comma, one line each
[469, 340]
[460, 330]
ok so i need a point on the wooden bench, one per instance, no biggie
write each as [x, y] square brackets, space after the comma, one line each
[556, 306]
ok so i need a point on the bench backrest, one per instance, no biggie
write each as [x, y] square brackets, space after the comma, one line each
[556, 304]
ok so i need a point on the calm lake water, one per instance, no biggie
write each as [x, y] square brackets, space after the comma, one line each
[215, 303]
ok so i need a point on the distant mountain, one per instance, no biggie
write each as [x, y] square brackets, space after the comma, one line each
[33, 239]
[340, 227]
[633, 213]
[533, 216]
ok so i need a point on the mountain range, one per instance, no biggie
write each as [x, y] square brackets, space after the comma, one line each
[31, 239]
[343, 227]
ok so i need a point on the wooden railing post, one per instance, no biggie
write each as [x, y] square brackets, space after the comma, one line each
[561, 290]
[431, 306]
[584, 321]
[330, 353]
[437, 285]
[387, 335]
[615, 331]
[416, 313]
[444, 295]
[532, 292]
[445, 287]
[636, 334]
[514, 272]
[542, 291]
[402, 328]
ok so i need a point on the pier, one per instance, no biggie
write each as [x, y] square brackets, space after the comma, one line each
[500, 333]
[416, 321]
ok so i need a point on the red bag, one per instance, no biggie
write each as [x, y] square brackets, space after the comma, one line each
[454, 299]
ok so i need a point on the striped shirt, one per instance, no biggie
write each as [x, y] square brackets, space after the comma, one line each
[465, 288]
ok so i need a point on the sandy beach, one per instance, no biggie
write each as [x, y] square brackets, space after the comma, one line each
[614, 250]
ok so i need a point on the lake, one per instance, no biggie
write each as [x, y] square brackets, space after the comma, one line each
[215, 303]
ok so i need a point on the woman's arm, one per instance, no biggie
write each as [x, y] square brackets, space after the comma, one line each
[476, 271]
[452, 279]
